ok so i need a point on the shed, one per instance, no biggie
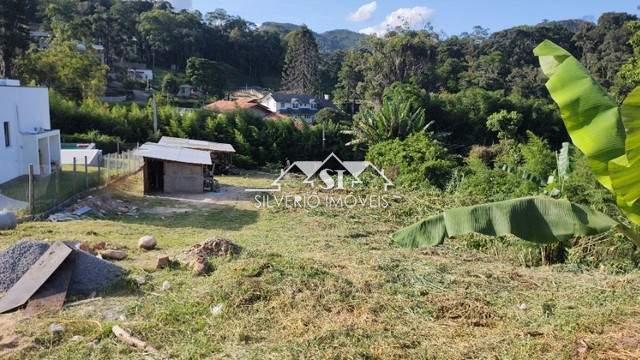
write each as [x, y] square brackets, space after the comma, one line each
[221, 153]
[173, 169]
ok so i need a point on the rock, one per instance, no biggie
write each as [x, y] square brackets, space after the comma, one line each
[166, 285]
[147, 242]
[114, 254]
[56, 329]
[8, 220]
[140, 280]
[86, 248]
[163, 262]
[523, 307]
[77, 338]
[200, 267]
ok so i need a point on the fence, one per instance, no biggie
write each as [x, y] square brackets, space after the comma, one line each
[37, 194]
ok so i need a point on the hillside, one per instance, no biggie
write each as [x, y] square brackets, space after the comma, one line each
[328, 41]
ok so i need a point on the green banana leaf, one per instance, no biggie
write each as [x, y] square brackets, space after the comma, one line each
[537, 219]
[590, 115]
[608, 135]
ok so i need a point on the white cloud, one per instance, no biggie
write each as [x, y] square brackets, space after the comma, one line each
[365, 12]
[411, 18]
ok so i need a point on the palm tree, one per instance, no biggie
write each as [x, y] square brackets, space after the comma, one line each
[394, 120]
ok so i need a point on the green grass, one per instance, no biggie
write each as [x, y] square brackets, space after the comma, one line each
[323, 284]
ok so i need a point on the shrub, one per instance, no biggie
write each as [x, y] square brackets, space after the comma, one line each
[493, 184]
[417, 161]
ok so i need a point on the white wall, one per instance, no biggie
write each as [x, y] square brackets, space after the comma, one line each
[94, 156]
[270, 103]
[26, 110]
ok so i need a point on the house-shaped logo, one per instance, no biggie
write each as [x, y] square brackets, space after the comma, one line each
[328, 174]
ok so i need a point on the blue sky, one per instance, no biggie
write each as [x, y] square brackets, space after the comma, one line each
[451, 16]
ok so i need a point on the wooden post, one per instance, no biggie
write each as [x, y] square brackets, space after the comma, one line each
[30, 191]
[57, 186]
[106, 161]
[86, 173]
[74, 164]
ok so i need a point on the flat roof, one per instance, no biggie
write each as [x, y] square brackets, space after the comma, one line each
[174, 153]
[197, 144]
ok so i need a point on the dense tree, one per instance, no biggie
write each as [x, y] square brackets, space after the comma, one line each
[605, 47]
[301, 64]
[62, 67]
[208, 76]
[628, 76]
[14, 31]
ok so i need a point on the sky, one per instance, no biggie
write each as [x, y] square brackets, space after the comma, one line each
[451, 16]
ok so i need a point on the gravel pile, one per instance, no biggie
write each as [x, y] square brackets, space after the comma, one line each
[89, 273]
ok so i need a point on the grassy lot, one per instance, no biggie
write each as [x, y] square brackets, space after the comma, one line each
[328, 284]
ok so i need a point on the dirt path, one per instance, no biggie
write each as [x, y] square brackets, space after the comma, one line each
[10, 341]
[226, 195]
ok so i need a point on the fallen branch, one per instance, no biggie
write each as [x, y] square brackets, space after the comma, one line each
[82, 302]
[128, 339]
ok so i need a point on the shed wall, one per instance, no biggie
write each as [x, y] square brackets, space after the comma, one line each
[183, 178]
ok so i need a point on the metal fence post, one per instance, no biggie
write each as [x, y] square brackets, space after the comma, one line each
[86, 173]
[30, 191]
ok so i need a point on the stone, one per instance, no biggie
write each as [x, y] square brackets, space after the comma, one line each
[166, 285]
[8, 220]
[163, 262]
[140, 280]
[200, 267]
[56, 329]
[147, 243]
[86, 248]
[114, 254]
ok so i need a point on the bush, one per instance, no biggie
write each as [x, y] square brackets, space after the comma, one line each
[417, 161]
[493, 184]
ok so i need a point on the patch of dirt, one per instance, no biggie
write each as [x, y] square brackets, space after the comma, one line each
[470, 311]
[166, 211]
[620, 342]
[213, 248]
[10, 341]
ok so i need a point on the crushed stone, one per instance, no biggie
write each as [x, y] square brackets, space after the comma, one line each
[89, 273]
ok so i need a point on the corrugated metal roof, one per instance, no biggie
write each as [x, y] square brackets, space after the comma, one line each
[174, 153]
[197, 144]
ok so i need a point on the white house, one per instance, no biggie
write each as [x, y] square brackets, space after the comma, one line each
[296, 105]
[140, 74]
[25, 131]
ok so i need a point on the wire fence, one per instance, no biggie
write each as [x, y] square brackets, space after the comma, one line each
[31, 194]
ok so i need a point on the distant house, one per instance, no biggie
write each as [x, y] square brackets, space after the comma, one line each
[296, 105]
[25, 131]
[186, 91]
[225, 106]
[140, 74]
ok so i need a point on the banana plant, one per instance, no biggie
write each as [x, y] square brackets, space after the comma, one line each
[608, 135]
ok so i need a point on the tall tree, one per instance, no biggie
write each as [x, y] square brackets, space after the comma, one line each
[14, 31]
[301, 62]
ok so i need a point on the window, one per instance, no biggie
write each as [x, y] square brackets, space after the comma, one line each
[7, 139]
